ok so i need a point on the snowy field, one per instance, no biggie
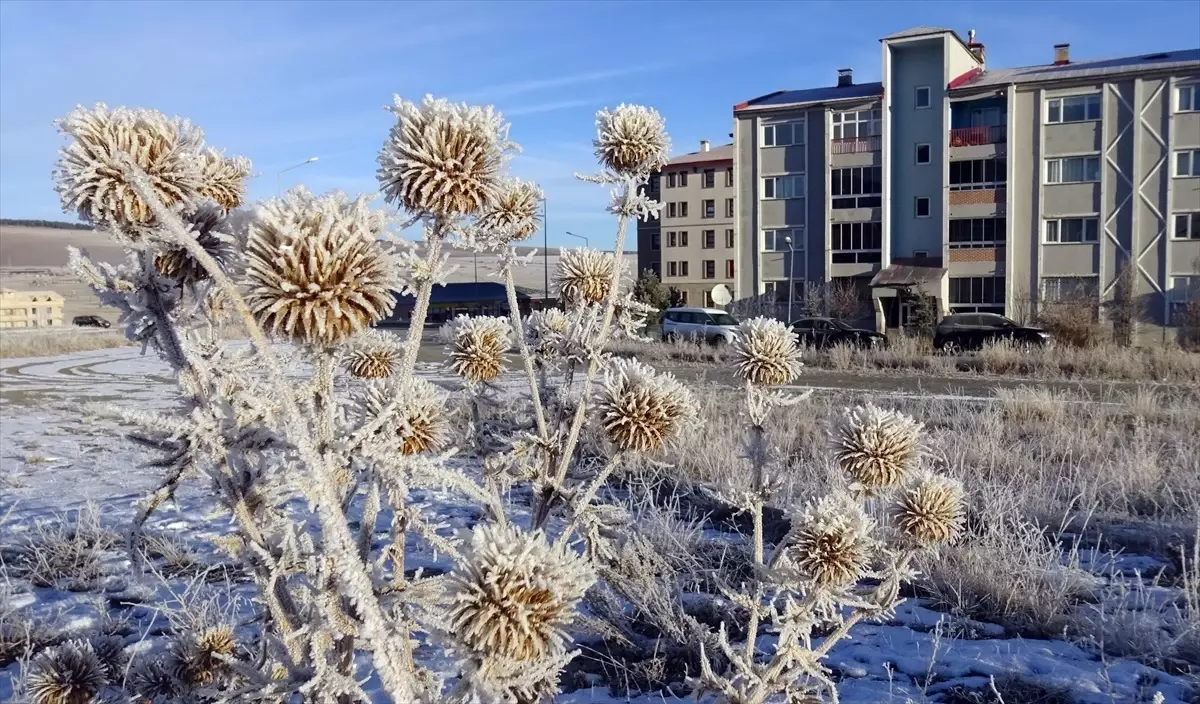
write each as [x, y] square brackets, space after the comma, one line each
[56, 460]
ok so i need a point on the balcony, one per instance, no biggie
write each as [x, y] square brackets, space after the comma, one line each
[855, 145]
[978, 136]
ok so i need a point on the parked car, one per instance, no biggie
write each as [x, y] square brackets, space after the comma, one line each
[90, 321]
[712, 325]
[971, 331]
[827, 332]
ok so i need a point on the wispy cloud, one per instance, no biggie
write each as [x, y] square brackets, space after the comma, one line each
[539, 108]
[522, 87]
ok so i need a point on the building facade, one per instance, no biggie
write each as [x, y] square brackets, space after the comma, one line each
[30, 309]
[692, 246]
[989, 189]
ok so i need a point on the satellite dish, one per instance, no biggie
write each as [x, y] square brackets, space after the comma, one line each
[720, 295]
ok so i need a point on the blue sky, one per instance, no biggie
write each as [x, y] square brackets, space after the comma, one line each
[280, 82]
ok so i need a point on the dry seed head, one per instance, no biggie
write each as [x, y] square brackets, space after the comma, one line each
[640, 410]
[543, 329]
[833, 545]
[420, 423]
[90, 173]
[442, 158]
[877, 448]
[514, 215]
[67, 674]
[631, 140]
[766, 352]
[198, 656]
[930, 509]
[205, 223]
[315, 270]
[477, 346]
[154, 679]
[224, 180]
[584, 275]
[374, 355]
[513, 594]
[110, 651]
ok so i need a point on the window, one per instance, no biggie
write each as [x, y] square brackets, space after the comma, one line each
[778, 290]
[978, 174]
[683, 238]
[683, 297]
[923, 154]
[672, 239]
[988, 117]
[683, 179]
[672, 268]
[656, 267]
[708, 178]
[708, 300]
[656, 241]
[708, 209]
[1067, 230]
[729, 239]
[977, 294]
[856, 242]
[729, 177]
[1073, 169]
[671, 180]
[1077, 108]
[729, 268]
[923, 97]
[1066, 288]
[783, 134]
[655, 181]
[683, 209]
[856, 123]
[1187, 226]
[856, 187]
[921, 207]
[1187, 98]
[672, 210]
[967, 233]
[709, 269]
[683, 268]
[776, 240]
[728, 207]
[708, 239]
[779, 187]
[1187, 162]
[1184, 290]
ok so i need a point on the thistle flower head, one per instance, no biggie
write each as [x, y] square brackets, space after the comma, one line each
[930, 509]
[877, 448]
[513, 594]
[420, 422]
[66, 674]
[442, 158]
[90, 175]
[477, 346]
[205, 223]
[514, 214]
[155, 679]
[833, 545]
[640, 409]
[315, 270]
[766, 352]
[584, 275]
[543, 329]
[631, 140]
[373, 355]
[223, 180]
[198, 656]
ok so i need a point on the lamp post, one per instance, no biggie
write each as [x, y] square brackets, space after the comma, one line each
[545, 254]
[791, 276]
[580, 237]
[279, 174]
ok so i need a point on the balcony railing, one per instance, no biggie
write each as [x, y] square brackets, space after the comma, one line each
[855, 145]
[977, 136]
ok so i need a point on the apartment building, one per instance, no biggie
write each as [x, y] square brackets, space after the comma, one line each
[989, 189]
[30, 309]
[692, 245]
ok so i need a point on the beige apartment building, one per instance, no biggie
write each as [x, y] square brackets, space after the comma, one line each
[30, 309]
[692, 245]
[991, 189]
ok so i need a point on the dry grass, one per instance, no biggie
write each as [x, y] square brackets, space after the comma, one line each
[18, 344]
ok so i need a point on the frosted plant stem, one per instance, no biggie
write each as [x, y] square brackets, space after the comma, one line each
[584, 501]
[519, 331]
[416, 327]
[757, 452]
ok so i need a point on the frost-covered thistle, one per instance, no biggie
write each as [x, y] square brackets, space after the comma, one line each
[833, 546]
[373, 355]
[513, 595]
[766, 353]
[420, 423]
[90, 174]
[631, 140]
[66, 674]
[640, 409]
[198, 656]
[878, 449]
[443, 158]
[543, 330]
[930, 509]
[477, 346]
[175, 262]
[584, 275]
[315, 270]
[223, 180]
[514, 214]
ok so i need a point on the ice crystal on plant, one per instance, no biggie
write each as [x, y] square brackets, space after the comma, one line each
[223, 180]
[373, 355]
[206, 221]
[443, 158]
[640, 409]
[419, 423]
[544, 330]
[878, 449]
[513, 216]
[930, 509]
[631, 140]
[833, 546]
[584, 275]
[477, 346]
[66, 674]
[315, 270]
[197, 656]
[766, 353]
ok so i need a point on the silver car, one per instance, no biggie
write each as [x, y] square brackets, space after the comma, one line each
[712, 325]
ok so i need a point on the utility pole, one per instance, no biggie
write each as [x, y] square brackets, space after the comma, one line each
[545, 253]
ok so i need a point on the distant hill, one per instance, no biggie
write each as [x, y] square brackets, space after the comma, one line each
[52, 224]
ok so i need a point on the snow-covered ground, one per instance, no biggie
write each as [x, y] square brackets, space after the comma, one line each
[56, 458]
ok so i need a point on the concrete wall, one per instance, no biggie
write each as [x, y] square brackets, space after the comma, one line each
[916, 64]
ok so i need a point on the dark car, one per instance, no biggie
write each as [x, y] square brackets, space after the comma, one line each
[90, 321]
[827, 332]
[971, 331]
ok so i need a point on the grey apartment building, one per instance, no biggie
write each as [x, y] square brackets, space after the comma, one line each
[692, 246]
[988, 188]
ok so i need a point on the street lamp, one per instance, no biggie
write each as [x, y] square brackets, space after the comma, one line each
[791, 276]
[279, 174]
[581, 237]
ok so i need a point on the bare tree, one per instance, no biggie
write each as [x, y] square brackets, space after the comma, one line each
[843, 299]
[1126, 309]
